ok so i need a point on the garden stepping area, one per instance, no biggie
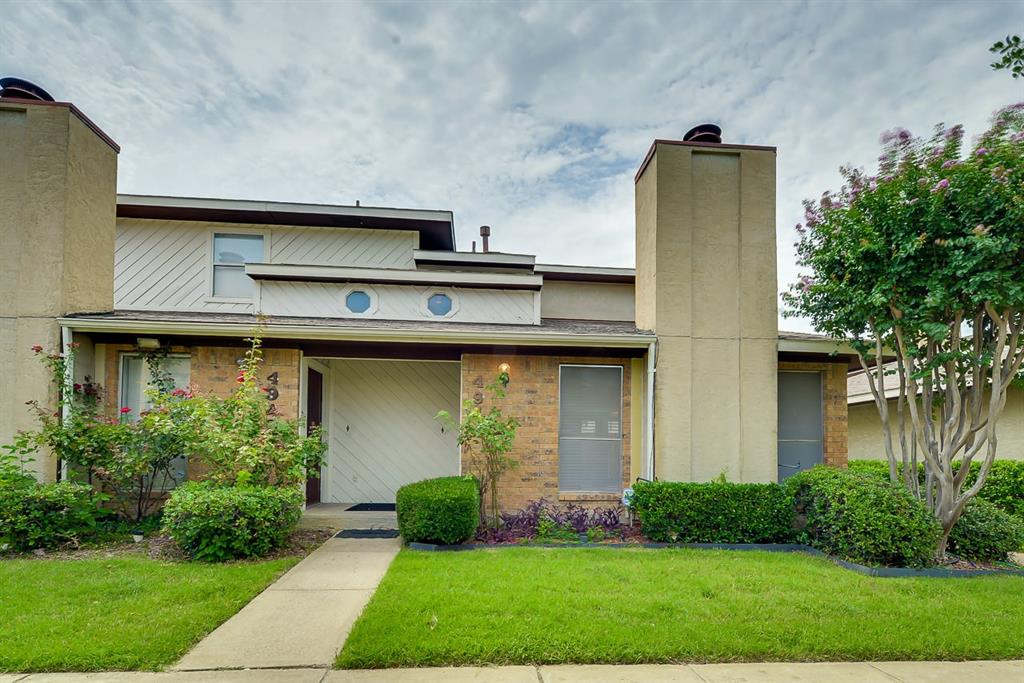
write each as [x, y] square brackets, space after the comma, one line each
[303, 618]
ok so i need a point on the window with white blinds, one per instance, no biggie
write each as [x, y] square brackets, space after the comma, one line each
[590, 428]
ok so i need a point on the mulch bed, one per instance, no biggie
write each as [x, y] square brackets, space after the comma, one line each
[157, 547]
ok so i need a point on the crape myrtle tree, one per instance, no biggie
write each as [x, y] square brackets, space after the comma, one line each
[922, 267]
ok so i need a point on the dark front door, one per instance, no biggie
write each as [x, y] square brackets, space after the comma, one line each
[314, 416]
[801, 427]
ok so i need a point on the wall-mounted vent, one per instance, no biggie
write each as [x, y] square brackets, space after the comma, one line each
[705, 132]
[23, 90]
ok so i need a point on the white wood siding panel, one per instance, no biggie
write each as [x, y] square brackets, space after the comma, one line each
[397, 302]
[344, 247]
[381, 430]
[165, 265]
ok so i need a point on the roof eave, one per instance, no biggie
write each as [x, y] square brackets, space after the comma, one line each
[366, 334]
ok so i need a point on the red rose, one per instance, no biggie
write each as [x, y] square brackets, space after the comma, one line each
[125, 410]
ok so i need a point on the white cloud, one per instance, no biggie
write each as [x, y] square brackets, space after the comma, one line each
[529, 117]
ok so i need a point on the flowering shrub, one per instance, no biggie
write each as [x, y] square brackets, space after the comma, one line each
[922, 262]
[236, 440]
[239, 440]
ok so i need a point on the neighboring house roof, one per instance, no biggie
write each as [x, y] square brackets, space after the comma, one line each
[436, 227]
[811, 344]
[551, 331]
[858, 390]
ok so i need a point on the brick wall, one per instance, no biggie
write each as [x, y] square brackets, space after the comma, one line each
[836, 424]
[532, 397]
[213, 370]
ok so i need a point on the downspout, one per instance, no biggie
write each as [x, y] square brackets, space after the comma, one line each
[69, 381]
[652, 358]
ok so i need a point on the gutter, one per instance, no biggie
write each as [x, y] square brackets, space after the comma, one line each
[652, 362]
[370, 334]
[69, 381]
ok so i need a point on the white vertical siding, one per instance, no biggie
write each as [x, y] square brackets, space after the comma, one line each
[381, 428]
[398, 302]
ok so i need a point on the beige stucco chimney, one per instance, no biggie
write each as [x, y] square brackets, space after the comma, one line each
[706, 284]
[58, 199]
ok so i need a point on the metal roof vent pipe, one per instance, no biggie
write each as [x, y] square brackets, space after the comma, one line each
[23, 90]
[485, 234]
[707, 133]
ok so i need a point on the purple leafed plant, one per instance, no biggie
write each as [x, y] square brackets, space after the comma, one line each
[523, 524]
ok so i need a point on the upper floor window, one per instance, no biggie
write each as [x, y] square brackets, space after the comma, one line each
[439, 304]
[230, 254]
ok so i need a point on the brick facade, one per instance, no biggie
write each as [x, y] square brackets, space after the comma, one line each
[532, 397]
[213, 370]
[834, 389]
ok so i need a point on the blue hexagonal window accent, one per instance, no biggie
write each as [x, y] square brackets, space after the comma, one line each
[439, 304]
[357, 301]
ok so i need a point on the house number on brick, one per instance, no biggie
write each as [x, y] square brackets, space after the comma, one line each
[271, 390]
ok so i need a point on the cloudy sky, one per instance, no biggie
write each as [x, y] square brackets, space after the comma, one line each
[531, 117]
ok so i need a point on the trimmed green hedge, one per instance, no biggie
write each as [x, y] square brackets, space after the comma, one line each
[443, 511]
[1004, 486]
[217, 523]
[47, 515]
[984, 532]
[862, 518]
[713, 512]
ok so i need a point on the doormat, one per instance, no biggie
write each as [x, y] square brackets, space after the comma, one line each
[371, 507]
[367, 533]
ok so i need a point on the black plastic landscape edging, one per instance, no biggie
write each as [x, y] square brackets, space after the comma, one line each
[879, 572]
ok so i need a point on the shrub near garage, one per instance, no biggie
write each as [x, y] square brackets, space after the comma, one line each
[217, 523]
[862, 518]
[984, 532]
[713, 512]
[444, 510]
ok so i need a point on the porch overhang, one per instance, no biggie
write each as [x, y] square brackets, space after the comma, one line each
[550, 333]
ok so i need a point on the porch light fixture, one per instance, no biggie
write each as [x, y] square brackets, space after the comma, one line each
[503, 374]
[147, 343]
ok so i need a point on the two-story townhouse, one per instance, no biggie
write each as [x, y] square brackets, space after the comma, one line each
[374, 321]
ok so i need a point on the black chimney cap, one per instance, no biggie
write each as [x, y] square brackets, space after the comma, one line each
[705, 132]
[22, 89]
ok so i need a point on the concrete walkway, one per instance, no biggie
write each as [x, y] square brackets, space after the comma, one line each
[840, 672]
[303, 618]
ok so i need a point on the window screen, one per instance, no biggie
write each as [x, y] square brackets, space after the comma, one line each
[590, 428]
[230, 254]
[135, 379]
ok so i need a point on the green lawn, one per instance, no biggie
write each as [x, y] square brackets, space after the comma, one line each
[123, 613]
[533, 605]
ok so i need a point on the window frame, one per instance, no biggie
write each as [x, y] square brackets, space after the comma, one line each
[370, 291]
[622, 423]
[214, 264]
[123, 357]
[425, 301]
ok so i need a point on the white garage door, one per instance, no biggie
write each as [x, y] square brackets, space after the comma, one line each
[381, 428]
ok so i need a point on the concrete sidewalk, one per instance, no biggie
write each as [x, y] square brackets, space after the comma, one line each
[303, 618]
[837, 672]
